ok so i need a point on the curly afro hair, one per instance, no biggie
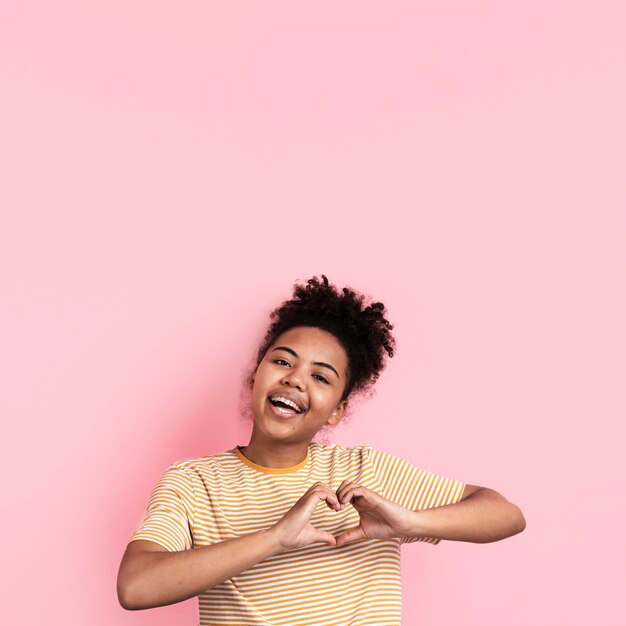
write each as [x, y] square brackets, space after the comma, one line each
[360, 327]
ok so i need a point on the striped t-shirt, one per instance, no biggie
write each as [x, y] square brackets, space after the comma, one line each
[221, 496]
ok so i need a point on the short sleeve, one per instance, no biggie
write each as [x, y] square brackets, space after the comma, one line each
[412, 487]
[169, 517]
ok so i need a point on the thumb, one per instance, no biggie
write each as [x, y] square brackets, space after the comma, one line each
[352, 534]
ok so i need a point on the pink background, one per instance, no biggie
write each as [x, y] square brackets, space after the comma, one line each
[169, 170]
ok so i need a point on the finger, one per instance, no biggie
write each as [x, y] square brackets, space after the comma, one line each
[318, 486]
[326, 494]
[332, 501]
[344, 488]
[350, 490]
[352, 534]
[361, 499]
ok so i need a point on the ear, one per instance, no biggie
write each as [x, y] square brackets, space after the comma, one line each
[338, 413]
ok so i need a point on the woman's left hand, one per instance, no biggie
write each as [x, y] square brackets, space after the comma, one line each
[380, 518]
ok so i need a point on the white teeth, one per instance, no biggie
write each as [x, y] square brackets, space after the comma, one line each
[287, 401]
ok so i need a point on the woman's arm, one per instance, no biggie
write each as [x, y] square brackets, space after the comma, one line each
[151, 576]
[481, 516]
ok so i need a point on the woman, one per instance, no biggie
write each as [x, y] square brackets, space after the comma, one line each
[243, 530]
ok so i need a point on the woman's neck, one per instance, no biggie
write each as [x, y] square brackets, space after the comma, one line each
[278, 456]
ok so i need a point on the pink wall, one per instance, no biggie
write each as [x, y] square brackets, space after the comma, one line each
[168, 171]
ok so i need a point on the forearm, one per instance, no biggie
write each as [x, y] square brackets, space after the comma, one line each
[161, 578]
[482, 517]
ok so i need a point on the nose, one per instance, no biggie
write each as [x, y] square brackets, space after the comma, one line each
[293, 378]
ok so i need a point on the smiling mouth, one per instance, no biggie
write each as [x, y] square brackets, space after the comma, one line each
[285, 405]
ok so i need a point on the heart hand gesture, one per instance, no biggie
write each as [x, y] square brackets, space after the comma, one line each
[379, 518]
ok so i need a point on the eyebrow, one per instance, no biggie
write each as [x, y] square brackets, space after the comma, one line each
[320, 363]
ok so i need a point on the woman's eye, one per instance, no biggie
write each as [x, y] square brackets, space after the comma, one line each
[281, 362]
[321, 378]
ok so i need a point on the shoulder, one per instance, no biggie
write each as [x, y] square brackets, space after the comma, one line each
[203, 465]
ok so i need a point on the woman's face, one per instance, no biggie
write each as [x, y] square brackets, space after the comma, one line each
[306, 366]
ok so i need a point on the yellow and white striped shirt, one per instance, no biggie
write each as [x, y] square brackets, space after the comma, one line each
[202, 501]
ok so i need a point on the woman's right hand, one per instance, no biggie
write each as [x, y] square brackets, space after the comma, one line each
[294, 529]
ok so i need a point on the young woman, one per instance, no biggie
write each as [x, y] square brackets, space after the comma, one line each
[243, 529]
